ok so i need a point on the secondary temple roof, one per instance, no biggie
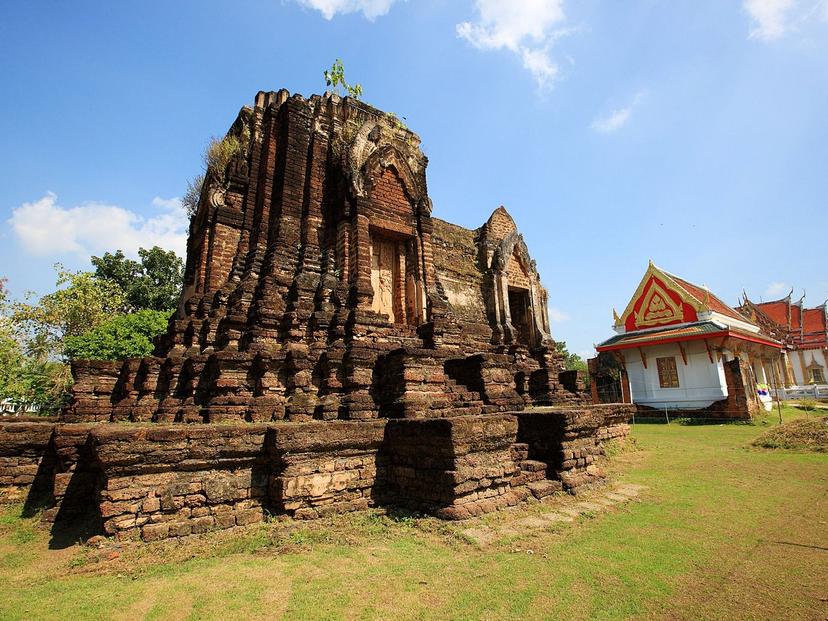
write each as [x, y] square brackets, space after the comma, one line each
[668, 309]
[791, 322]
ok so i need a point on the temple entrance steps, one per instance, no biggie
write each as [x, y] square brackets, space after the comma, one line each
[533, 473]
[462, 397]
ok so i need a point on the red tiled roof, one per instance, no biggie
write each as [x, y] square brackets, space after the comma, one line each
[778, 311]
[808, 327]
[716, 304]
[814, 320]
[814, 328]
[796, 317]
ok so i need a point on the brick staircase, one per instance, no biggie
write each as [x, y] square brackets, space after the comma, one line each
[533, 473]
[463, 398]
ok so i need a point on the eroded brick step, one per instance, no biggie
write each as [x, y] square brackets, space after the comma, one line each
[565, 513]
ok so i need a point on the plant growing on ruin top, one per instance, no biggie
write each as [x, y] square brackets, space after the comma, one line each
[335, 78]
[395, 121]
[220, 152]
[192, 194]
[217, 157]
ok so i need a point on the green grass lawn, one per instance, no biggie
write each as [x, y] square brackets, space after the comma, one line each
[724, 531]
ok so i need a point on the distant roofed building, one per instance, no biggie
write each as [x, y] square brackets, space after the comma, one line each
[804, 332]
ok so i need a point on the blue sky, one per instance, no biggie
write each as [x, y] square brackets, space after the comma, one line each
[691, 133]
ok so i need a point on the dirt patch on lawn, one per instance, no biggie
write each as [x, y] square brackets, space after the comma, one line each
[803, 434]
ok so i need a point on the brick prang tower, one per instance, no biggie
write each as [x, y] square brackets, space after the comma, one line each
[336, 348]
[319, 286]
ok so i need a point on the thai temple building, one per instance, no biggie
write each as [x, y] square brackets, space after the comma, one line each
[681, 348]
[804, 332]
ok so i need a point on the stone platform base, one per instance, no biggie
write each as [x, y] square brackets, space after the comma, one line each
[154, 481]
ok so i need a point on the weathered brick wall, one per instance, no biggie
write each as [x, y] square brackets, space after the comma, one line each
[277, 322]
[172, 481]
[569, 440]
[456, 467]
[154, 481]
[75, 477]
[22, 449]
[616, 424]
[320, 468]
[92, 391]
[457, 263]
[389, 203]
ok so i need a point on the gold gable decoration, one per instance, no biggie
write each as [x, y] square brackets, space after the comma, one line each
[658, 308]
[654, 272]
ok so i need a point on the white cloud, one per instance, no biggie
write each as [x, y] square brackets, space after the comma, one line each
[167, 203]
[45, 228]
[556, 315]
[616, 119]
[773, 19]
[524, 27]
[768, 17]
[371, 9]
[540, 65]
[777, 289]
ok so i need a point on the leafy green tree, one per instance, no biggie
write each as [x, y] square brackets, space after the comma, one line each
[11, 356]
[122, 336]
[11, 363]
[46, 384]
[29, 378]
[81, 302]
[152, 283]
[572, 362]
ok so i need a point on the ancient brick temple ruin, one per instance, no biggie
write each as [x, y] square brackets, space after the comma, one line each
[336, 347]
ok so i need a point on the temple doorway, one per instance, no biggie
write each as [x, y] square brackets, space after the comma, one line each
[519, 309]
[385, 278]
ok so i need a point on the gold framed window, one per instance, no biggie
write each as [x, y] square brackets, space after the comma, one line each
[667, 372]
[817, 376]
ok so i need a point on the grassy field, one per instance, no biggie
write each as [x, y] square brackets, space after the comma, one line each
[723, 530]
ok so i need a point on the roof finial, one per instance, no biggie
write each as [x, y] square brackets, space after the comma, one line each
[615, 316]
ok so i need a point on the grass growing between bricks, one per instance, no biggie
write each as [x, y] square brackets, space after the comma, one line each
[719, 530]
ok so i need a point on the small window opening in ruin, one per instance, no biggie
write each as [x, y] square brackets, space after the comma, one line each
[667, 372]
[387, 277]
[519, 310]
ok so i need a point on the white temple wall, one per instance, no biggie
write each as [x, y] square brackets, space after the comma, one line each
[701, 382]
[802, 359]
